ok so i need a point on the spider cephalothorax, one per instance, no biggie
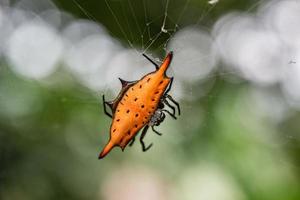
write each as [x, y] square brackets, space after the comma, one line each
[140, 105]
[157, 118]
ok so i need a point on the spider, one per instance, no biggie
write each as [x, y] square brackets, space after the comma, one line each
[140, 105]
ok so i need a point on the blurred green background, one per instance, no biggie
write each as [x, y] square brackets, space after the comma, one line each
[223, 146]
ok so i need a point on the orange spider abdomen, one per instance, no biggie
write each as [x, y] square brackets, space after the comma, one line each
[137, 105]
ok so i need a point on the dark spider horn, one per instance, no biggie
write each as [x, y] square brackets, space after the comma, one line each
[123, 82]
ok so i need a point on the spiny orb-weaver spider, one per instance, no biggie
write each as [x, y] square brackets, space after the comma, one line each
[140, 104]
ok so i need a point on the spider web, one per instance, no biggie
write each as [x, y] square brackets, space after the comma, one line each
[154, 36]
[151, 37]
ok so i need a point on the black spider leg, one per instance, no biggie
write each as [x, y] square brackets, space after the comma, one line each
[155, 131]
[173, 101]
[104, 107]
[174, 117]
[156, 65]
[142, 137]
[170, 106]
[132, 141]
[170, 86]
[166, 95]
